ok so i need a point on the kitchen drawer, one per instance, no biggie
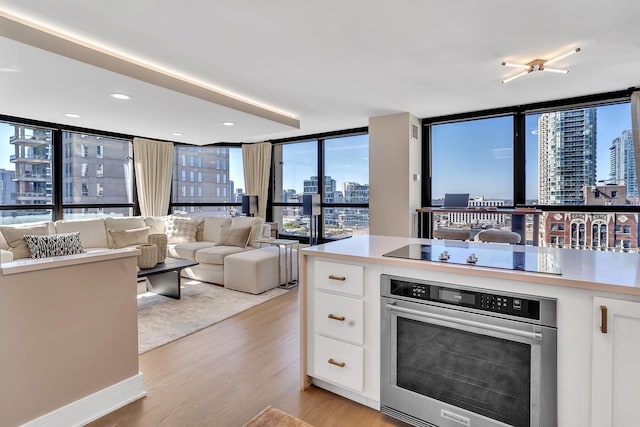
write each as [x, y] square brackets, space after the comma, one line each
[338, 362]
[339, 317]
[344, 278]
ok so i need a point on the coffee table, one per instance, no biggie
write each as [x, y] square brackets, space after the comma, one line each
[164, 278]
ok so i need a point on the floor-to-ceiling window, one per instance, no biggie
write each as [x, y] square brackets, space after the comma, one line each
[473, 157]
[346, 186]
[334, 166]
[583, 157]
[207, 180]
[97, 175]
[576, 163]
[295, 174]
[26, 155]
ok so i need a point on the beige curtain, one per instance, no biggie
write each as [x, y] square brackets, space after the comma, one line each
[256, 159]
[153, 162]
[635, 126]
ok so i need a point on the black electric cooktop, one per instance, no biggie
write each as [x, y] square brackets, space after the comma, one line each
[506, 257]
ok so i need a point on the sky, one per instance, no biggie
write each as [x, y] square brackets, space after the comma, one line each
[461, 167]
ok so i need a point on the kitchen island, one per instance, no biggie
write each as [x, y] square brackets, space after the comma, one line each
[597, 372]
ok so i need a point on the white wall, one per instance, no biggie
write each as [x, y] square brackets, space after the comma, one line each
[394, 180]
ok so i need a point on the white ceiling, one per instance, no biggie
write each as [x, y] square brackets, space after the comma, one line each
[329, 64]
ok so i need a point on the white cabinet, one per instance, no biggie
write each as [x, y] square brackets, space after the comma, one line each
[339, 362]
[339, 317]
[343, 311]
[340, 278]
[615, 389]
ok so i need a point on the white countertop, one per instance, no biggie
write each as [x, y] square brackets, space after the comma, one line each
[585, 269]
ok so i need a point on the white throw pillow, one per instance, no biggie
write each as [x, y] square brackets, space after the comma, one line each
[124, 238]
[181, 230]
[256, 227]
[212, 227]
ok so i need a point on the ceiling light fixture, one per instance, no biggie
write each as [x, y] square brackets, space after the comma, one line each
[176, 134]
[538, 65]
[228, 123]
[121, 96]
[10, 69]
[73, 115]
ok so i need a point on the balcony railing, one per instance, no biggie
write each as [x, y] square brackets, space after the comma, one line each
[31, 196]
[29, 159]
[27, 176]
[30, 142]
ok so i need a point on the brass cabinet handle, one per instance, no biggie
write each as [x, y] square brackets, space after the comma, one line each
[340, 278]
[334, 317]
[338, 364]
[603, 319]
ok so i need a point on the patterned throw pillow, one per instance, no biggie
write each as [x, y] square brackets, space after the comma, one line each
[43, 246]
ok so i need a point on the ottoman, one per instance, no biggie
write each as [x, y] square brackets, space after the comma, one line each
[253, 271]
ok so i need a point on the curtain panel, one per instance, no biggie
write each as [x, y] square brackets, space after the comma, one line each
[256, 160]
[153, 161]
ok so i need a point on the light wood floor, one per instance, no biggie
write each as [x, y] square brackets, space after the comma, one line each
[227, 373]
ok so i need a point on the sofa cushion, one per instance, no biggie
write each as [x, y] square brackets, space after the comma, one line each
[158, 224]
[5, 256]
[256, 227]
[188, 250]
[122, 223]
[14, 237]
[132, 237]
[234, 236]
[93, 233]
[212, 225]
[216, 254]
[48, 245]
[181, 230]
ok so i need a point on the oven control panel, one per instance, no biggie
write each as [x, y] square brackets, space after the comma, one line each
[496, 303]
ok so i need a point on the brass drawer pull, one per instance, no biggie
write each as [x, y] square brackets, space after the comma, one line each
[603, 319]
[338, 364]
[334, 317]
[340, 278]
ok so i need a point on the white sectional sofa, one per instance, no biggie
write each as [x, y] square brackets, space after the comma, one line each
[207, 240]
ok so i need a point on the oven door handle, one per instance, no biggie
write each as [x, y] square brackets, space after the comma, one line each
[531, 335]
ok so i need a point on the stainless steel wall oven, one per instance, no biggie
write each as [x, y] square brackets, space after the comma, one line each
[455, 355]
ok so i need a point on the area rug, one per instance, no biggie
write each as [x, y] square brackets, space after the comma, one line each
[162, 320]
[272, 417]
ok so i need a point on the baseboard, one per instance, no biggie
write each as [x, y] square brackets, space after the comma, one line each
[351, 395]
[94, 406]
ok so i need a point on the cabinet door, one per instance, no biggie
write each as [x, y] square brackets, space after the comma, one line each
[339, 317]
[615, 395]
[338, 277]
[339, 362]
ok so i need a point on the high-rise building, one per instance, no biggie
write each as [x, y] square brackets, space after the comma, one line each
[566, 155]
[201, 174]
[7, 187]
[622, 163]
[95, 169]
[311, 185]
[32, 160]
[355, 192]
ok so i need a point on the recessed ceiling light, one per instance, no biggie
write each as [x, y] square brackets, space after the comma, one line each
[176, 134]
[228, 124]
[122, 96]
[73, 115]
[10, 69]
